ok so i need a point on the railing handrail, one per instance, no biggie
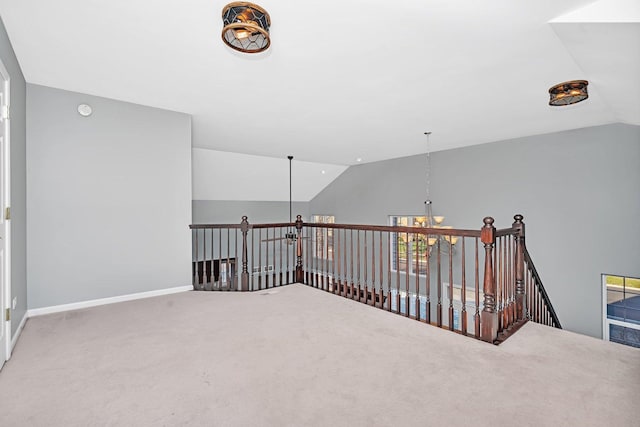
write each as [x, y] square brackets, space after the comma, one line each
[543, 292]
[398, 229]
[216, 226]
[386, 228]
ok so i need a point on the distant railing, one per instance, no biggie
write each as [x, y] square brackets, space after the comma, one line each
[475, 282]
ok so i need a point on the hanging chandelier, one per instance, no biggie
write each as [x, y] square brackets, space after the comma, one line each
[568, 93]
[246, 27]
[431, 220]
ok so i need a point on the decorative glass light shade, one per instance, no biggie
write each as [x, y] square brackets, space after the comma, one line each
[568, 93]
[246, 27]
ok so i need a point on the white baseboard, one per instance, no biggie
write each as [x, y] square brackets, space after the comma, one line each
[102, 301]
[15, 337]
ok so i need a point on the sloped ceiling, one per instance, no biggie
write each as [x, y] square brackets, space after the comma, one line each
[343, 79]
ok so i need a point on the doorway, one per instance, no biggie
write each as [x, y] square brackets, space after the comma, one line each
[5, 231]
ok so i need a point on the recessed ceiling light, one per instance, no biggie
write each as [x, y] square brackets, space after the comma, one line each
[323, 172]
[85, 110]
[359, 159]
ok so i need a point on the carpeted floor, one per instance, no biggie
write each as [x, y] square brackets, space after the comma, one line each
[296, 356]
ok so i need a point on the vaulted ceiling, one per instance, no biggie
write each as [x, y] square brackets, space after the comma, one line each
[343, 80]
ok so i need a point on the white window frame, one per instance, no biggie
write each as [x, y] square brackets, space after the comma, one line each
[606, 322]
[322, 236]
[393, 244]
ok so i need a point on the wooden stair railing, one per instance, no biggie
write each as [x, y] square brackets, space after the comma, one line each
[434, 275]
[539, 307]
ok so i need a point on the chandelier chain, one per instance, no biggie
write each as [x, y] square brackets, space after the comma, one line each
[428, 166]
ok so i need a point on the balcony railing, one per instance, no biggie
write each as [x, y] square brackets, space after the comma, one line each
[480, 283]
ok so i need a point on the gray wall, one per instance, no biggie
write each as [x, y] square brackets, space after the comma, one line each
[18, 180]
[108, 197]
[577, 190]
[231, 211]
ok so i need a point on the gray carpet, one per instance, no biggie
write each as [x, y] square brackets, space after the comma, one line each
[297, 356]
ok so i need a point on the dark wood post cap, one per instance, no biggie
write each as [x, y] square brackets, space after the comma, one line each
[488, 221]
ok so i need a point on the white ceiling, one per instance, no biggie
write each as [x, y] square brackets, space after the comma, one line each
[343, 79]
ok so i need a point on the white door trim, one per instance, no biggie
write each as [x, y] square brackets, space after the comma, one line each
[6, 170]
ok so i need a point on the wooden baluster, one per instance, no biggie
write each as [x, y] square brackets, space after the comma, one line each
[381, 273]
[427, 256]
[364, 269]
[529, 293]
[407, 270]
[451, 325]
[336, 288]
[498, 281]
[489, 317]
[236, 285]
[259, 259]
[511, 282]
[343, 263]
[196, 264]
[351, 276]
[476, 316]
[266, 259]
[219, 258]
[273, 260]
[336, 260]
[501, 300]
[342, 253]
[417, 301]
[389, 239]
[213, 273]
[321, 270]
[280, 257]
[311, 252]
[397, 272]
[288, 264]
[521, 308]
[507, 285]
[315, 256]
[439, 272]
[373, 268]
[299, 268]
[244, 279]
[253, 259]
[228, 284]
[463, 295]
[204, 257]
[358, 266]
[374, 291]
[325, 261]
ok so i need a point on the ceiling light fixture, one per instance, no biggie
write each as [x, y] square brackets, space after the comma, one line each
[246, 27]
[568, 93]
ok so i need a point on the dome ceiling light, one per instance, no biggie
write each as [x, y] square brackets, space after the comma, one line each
[246, 27]
[568, 93]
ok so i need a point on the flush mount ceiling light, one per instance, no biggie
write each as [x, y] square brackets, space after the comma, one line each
[568, 93]
[246, 27]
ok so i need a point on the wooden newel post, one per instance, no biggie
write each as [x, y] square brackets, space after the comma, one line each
[299, 270]
[489, 316]
[521, 299]
[244, 277]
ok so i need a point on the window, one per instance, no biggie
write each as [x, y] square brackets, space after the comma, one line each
[407, 247]
[621, 309]
[324, 237]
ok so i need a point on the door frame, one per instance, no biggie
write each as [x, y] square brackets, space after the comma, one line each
[5, 80]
